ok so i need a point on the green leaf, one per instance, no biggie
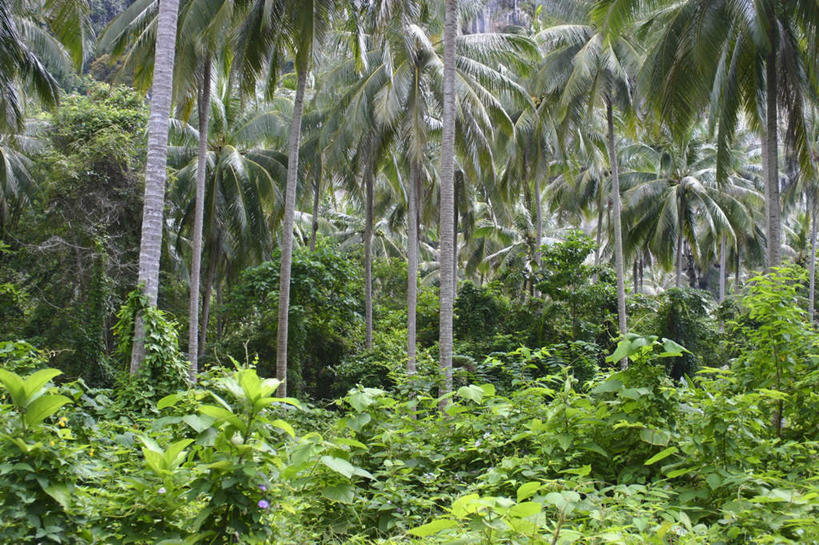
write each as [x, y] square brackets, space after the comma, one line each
[14, 385]
[61, 493]
[665, 453]
[221, 414]
[174, 454]
[432, 528]
[655, 437]
[343, 493]
[472, 393]
[33, 384]
[525, 509]
[168, 401]
[43, 407]
[527, 490]
[282, 425]
[579, 471]
[339, 465]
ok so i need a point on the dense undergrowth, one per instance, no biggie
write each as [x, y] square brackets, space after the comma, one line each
[726, 456]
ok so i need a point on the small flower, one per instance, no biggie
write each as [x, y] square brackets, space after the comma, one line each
[161, 490]
[91, 452]
[263, 487]
[51, 443]
[486, 435]
[62, 421]
[461, 449]
[263, 504]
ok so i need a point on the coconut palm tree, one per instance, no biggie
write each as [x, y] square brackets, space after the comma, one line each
[674, 201]
[587, 68]
[739, 56]
[242, 195]
[400, 92]
[155, 168]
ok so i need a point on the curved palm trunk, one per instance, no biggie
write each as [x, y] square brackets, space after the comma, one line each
[447, 200]
[150, 248]
[774, 219]
[198, 220]
[723, 264]
[616, 226]
[287, 233]
[368, 257]
[412, 264]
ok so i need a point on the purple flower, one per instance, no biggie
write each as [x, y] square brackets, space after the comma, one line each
[161, 490]
[263, 504]
[263, 487]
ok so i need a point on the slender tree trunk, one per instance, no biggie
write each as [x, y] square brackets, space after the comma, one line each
[150, 248]
[368, 256]
[208, 287]
[641, 273]
[316, 194]
[287, 232]
[812, 265]
[736, 272]
[538, 224]
[723, 265]
[616, 226]
[219, 320]
[458, 185]
[772, 154]
[447, 236]
[678, 262]
[634, 278]
[198, 219]
[412, 263]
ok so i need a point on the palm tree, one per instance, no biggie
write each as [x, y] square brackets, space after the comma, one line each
[38, 41]
[400, 93]
[243, 175]
[674, 201]
[310, 16]
[155, 168]
[447, 205]
[739, 56]
[585, 66]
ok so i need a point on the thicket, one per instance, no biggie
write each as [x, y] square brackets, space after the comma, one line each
[533, 447]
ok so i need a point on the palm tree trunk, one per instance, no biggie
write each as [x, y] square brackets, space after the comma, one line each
[616, 226]
[287, 232]
[723, 264]
[736, 272]
[812, 294]
[198, 220]
[447, 236]
[771, 155]
[634, 278]
[219, 320]
[678, 261]
[538, 224]
[459, 187]
[150, 247]
[600, 210]
[206, 291]
[412, 263]
[368, 257]
[314, 234]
